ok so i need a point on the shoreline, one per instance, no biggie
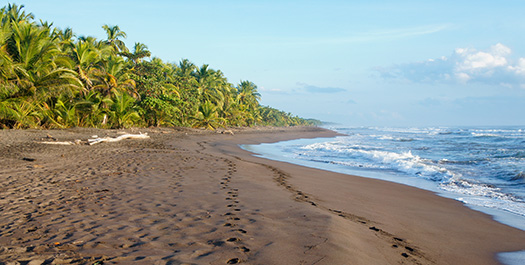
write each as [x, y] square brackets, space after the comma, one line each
[268, 152]
[195, 196]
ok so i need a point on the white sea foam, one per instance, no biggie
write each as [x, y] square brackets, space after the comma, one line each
[472, 163]
[404, 161]
[501, 204]
[486, 134]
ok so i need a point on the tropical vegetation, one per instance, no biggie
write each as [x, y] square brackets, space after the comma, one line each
[53, 78]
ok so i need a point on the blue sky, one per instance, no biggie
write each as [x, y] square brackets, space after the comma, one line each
[404, 63]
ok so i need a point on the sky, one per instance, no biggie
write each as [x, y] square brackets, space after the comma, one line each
[358, 63]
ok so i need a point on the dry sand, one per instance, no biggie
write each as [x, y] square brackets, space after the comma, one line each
[193, 197]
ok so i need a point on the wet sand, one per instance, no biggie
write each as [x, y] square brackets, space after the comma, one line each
[194, 197]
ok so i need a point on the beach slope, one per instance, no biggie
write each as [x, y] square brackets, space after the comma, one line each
[194, 197]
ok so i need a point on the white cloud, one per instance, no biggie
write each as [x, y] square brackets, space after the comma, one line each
[519, 68]
[463, 77]
[493, 66]
[316, 89]
[472, 60]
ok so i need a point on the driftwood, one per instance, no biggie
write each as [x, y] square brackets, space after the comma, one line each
[101, 139]
[59, 143]
[116, 139]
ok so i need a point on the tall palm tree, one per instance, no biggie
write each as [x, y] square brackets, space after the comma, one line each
[212, 85]
[111, 78]
[15, 14]
[65, 38]
[185, 68]
[114, 33]
[85, 56]
[247, 94]
[7, 65]
[140, 51]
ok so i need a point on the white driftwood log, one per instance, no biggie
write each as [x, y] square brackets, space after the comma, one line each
[59, 143]
[116, 139]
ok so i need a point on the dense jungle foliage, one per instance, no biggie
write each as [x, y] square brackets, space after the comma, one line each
[52, 78]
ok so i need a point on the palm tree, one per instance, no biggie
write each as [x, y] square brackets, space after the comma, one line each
[89, 109]
[122, 113]
[85, 56]
[63, 114]
[20, 113]
[112, 78]
[140, 51]
[114, 33]
[7, 66]
[185, 68]
[247, 94]
[14, 14]
[41, 72]
[207, 117]
[65, 38]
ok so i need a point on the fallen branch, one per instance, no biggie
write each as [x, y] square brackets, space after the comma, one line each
[100, 140]
[116, 139]
[59, 143]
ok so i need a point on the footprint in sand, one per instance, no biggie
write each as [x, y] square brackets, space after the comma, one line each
[244, 249]
[233, 261]
[233, 239]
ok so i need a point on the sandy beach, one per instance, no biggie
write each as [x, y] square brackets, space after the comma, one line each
[187, 196]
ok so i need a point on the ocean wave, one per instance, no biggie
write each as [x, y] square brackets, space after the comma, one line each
[486, 166]
[405, 162]
[520, 177]
[518, 155]
[454, 162]
[469, 187]
[485, 135]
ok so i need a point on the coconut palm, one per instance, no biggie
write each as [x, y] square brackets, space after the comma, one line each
[15, 14]
[89, 109]
[41, 72]
[63, 114]
[185, 69]
[207, 117]
[7, 66]
[112, 78]
[140, 51]
[85, 56]
[247, 94]
[20, 113]
[122, 112]
[114, 33]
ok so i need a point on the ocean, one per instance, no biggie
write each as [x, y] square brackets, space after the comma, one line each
[483, 167]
